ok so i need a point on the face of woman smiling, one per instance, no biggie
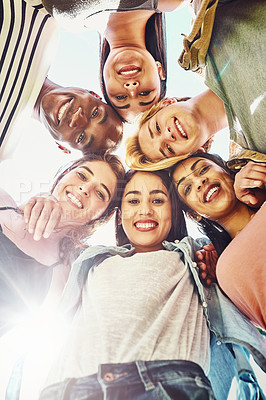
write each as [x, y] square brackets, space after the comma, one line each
[146, 212]
[174, 130]
[132, 80]
[85, 192]
[205, 187]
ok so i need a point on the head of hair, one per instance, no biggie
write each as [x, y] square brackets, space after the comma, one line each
[178, 227]
[135, 158]
[155, 40]
[212, 229]
[76, 236]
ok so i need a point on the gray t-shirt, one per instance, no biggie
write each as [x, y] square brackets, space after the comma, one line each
[142, 307]
[235, 71]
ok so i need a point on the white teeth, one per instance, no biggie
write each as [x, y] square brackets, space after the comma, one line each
[62, 110]
[142, 225]
[129, 72]
[179, 127]
[210, 192]
[74, 200]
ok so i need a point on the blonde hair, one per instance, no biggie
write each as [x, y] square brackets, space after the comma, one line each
[135, 158]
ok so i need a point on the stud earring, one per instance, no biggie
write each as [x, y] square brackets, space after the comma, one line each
[63, 148]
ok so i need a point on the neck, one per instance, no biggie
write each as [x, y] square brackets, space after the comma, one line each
[147, 249]
[211, 121]
[237, 219]
[127, 29]
[46, 88]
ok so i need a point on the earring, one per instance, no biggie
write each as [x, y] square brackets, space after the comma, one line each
[197, 217]
[95, 94]
[63, 148]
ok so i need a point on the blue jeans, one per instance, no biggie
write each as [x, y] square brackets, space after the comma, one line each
[139, 380]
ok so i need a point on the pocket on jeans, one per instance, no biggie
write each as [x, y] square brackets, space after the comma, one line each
[185, 389]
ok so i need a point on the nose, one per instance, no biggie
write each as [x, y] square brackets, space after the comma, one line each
[169, 134]
[145, 209]
[200, 181]
[131, 86]
[86, 188]
[78, 119]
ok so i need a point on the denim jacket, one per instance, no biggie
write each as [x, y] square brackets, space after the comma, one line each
[233, 337]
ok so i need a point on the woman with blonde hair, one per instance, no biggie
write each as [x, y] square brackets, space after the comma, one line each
[174, 129]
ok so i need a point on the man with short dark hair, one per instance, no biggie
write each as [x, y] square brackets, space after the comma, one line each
[28, 41]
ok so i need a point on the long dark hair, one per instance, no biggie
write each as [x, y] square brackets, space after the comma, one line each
[71, 245]
[212, 229]
[178, 227]
[155, 40]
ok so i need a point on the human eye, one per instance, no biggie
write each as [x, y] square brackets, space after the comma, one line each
[133, 201]
[145, 93]
[158, 127]
[81, 138]
[169, 148]
[100, 194]
[122, 97]
[204, 169]
[187, 189]
[95, 112]
[157, 201]
[81, 176]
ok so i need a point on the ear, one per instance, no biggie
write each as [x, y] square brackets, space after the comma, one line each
[201, 150]
[194, 216]
[160, 70]
[119, 218]
[167, 101]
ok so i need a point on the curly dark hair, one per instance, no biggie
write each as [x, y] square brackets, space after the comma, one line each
[212, 229]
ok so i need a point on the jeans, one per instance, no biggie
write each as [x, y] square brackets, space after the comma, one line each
[139, 380]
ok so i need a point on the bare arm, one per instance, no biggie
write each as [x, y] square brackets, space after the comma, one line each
[171, 5]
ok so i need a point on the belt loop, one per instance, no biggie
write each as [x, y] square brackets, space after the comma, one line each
[143, 373]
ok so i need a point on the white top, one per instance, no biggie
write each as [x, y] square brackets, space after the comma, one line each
[28, 41]
[141, 307]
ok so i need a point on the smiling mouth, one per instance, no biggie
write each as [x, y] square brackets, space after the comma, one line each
[74, 200]
[180, 129]
[129, 70]
[210, 192]
[62, 110]
[145, 226]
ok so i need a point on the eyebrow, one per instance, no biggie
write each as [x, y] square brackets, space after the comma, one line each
[101, 184]
[156, 191]
[104, 118]
[122, 107]
[193, 166]
[141, 103]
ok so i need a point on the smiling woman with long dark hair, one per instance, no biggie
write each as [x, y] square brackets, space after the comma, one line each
[139, 329]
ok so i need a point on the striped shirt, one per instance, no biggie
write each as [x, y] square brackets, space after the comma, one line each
[28, 40]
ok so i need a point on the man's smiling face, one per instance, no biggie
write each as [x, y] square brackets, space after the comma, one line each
[81, 119]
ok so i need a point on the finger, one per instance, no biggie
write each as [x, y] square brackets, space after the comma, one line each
[249, 183]
[199, 255]
[34, 216]
[203, 275]
[52, 222]
[209, 281]
[202, 266]
[27, 209]
[49, 211]
[209, 247]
